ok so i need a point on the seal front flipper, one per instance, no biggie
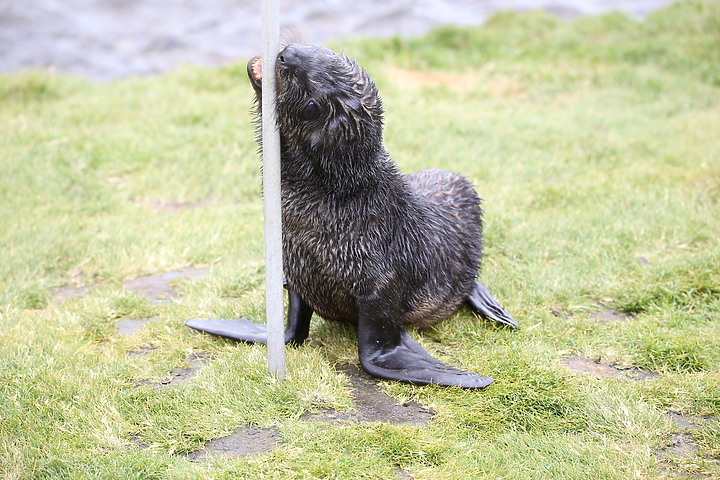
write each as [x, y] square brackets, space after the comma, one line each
[236, 329]
[482, 301]
[296, 330]
[388, 351]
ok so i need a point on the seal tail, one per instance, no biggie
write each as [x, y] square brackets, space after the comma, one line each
[482, 301]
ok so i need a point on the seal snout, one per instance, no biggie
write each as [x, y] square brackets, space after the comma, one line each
[290, 56]
[295, 55]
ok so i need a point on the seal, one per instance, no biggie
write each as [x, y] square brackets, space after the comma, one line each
[363, 243]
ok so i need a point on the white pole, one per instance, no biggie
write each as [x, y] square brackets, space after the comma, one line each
[271, 193]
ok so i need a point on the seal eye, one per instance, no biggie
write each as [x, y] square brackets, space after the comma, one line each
[310, 111]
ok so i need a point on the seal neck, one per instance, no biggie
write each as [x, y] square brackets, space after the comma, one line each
[340, 174]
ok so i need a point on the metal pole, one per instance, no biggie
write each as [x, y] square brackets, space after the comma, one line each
[271, 193]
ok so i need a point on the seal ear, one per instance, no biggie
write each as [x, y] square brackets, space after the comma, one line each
[351, 104]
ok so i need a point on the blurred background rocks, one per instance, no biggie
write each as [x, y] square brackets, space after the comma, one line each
[110, 39]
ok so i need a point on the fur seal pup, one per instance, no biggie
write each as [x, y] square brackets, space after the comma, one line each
[363, 243]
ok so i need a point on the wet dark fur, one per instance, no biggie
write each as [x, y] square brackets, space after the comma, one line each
[352, 224]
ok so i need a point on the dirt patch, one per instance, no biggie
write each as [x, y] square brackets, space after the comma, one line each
[247, 440]
[402, 474]
[157, 287]
[643, 261]
[130, 326]
[598, 369]
[372, 404]
[142, 351]
[686, 421]
[244, 441]
[69, 291]
[682, 444]
[196, 361]
[609, 315]
[637, 373]
[410, 78]
[605, 314]
[137, 440]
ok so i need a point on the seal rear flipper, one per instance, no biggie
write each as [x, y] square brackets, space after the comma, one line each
[296, 331]
[482, 301]
[388, 351]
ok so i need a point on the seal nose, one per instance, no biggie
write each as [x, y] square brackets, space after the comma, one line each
[289, 56]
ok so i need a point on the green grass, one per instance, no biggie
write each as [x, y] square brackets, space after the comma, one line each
[595, 146]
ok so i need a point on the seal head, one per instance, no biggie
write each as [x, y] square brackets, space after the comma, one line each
[329, 114]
